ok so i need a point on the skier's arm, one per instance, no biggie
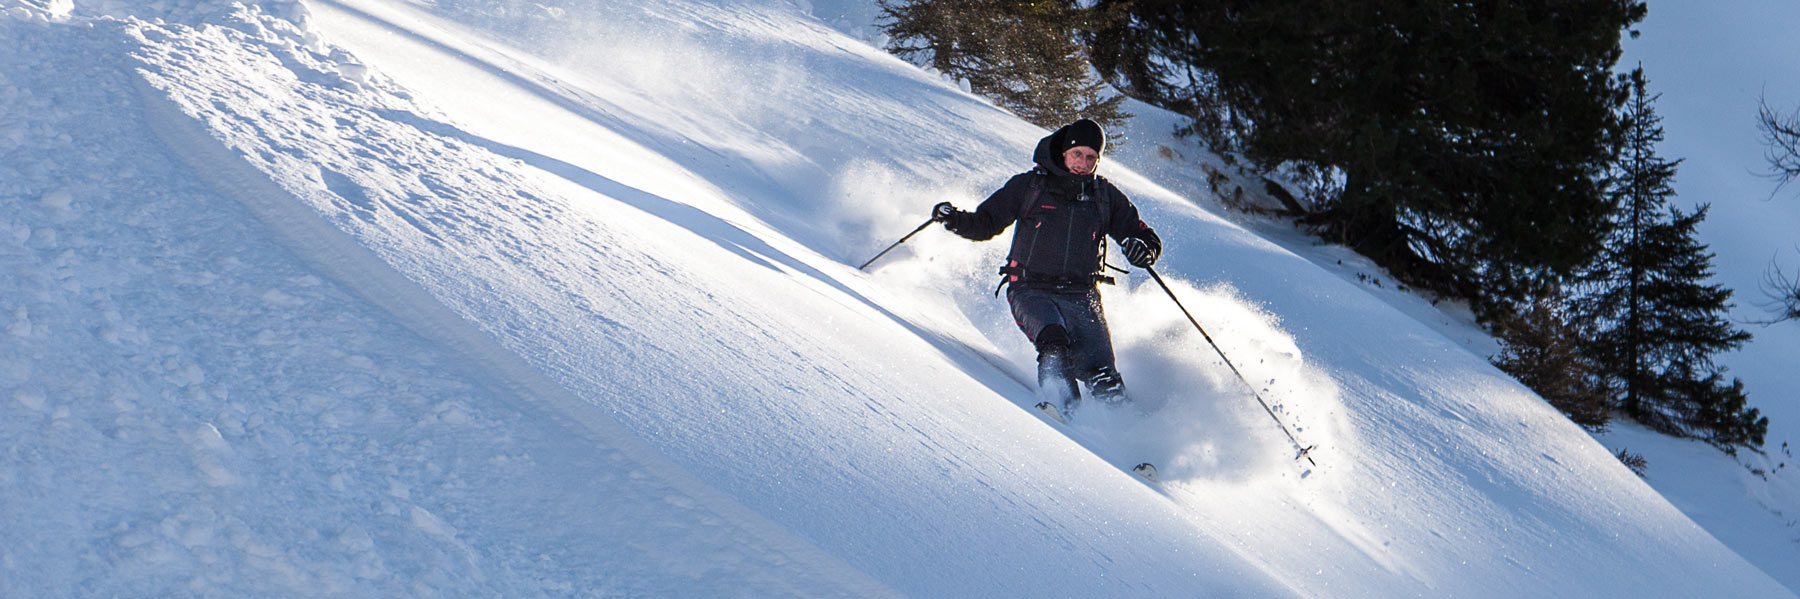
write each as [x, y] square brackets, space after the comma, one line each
[1127, 224]
[994, 215]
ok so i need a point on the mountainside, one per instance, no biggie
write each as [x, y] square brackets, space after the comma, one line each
[492, 297]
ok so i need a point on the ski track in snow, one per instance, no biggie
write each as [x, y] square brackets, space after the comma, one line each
[298, 304]
[336, 448]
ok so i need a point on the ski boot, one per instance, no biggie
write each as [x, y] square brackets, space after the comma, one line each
[1107, 386]
[1058, 391]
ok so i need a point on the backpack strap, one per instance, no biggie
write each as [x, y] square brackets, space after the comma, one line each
[1104, 195]
[1009, 273]
[1101, 193]
[1037, 189]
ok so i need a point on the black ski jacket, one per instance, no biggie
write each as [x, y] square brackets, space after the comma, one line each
[1063, 220]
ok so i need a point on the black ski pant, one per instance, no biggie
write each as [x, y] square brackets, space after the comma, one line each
[1068, 327]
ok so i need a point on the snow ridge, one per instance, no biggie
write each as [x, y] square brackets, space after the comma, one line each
[347, 263]
[492, 297]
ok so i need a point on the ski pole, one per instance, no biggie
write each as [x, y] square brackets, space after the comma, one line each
[1305, 451]
[896, 244]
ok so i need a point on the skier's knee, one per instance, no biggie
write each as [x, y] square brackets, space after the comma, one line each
[1053, 339]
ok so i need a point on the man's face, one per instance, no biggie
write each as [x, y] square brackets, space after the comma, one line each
[1081, 160]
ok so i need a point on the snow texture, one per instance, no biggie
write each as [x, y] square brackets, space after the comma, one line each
[558, 298]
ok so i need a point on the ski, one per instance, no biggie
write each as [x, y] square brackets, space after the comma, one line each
[1144, 470]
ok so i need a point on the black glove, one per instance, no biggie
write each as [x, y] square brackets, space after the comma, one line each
[942, 212]
[1137, 252]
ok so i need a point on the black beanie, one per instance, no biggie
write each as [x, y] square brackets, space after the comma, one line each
[1083, 133]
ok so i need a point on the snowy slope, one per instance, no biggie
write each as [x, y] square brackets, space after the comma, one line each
[559, 299]
[193, 411]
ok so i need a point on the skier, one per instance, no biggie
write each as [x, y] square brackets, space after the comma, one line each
[1064, 213]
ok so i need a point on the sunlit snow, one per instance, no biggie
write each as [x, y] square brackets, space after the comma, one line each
[560, 298]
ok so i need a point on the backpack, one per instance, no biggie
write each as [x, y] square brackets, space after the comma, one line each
[1104, 196]
[1037, 189]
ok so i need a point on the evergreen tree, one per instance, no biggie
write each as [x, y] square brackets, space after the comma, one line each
[1025, 55]
[1465, 139]
[1658, 321]
[1541, 347]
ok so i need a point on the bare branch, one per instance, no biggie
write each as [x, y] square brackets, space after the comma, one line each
[1783, 292]
[1781, 135]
